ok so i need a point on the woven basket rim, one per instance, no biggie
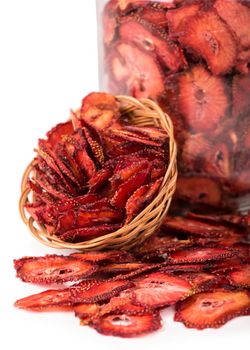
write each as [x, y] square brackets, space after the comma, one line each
[115, 240]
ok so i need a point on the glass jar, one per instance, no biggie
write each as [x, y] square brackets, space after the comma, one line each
[193, 58]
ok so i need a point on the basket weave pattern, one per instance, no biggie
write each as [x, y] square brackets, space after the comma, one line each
[141, 112]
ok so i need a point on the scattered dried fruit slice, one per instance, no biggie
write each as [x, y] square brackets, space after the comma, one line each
[212, 310]
[202, 280]
[101, 291]
[237, 16]
[52, 269]
[212, 39]
[86, 311]
[139, 70]
[49, 300]
[105, 256]
[160, 289]
[152, 39]
[127, 326]
[200, 254]
[240, 277]
[122, 267]
[193, 227]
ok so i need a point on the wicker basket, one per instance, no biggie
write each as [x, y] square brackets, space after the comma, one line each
[141, 112]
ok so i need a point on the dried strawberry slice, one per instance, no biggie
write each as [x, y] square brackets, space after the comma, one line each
[129, 136]
[160, 289]
[241, 90]
[154, 15]
[105, 256]
[240, 277]
[152, 39]
[99, 110]
[101, 291]
[94, 142]
[127, 326]
[175, 17]
[156, 134]
[56, 134]
[86, 311]
[125, 173]
[123, 304]
[52, 269]
[86, 233]
[193, 227]
[127, 188]
[122, 267]
[138, 70]
[212, 39]
[183, 268]
[203, 98]
[141, 198]
[49, 300]
[212, 310]
[99, 179]
[199, 189]
[88, 217]
[237, 16]
[200, 254]
[202, 280]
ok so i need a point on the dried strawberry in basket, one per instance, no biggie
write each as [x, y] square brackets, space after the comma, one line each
[96, 172]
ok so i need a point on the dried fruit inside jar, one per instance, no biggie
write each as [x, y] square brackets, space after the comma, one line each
[193, 58]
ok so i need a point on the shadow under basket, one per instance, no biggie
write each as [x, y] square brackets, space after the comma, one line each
[142, 112]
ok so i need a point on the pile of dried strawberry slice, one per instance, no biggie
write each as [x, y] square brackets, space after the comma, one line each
[95, 172]
[193, 58]
[200, 264]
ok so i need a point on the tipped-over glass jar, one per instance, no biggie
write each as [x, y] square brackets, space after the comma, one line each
[193, 58]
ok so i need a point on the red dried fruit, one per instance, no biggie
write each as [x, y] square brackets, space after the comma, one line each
[56, 134]
[52, 269]
[123, 304]
[200, 254]
[49, 300]
[127, 326]
[237, 16]
[201, 280]
[122, 267]
[88, 217]
[193, 227]
[99, 179]
[241, 90]
[141, 198]
[94, 142]
[140, 271]
[138, 70]
[199, 189]
[129, 136]
[202, 98]
[152, 39]
[127, 188]
[152, 132]
[100, 110]
[105, 256]
[212, 310]
[86, 311]
[177, 16]
[86, 233]
[187, 268]
[122, 175]
[101, 291]
[160, 289]
[240, 277]
[154, 15]
[212, 39]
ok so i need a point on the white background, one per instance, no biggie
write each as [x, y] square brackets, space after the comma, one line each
[48, 62]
